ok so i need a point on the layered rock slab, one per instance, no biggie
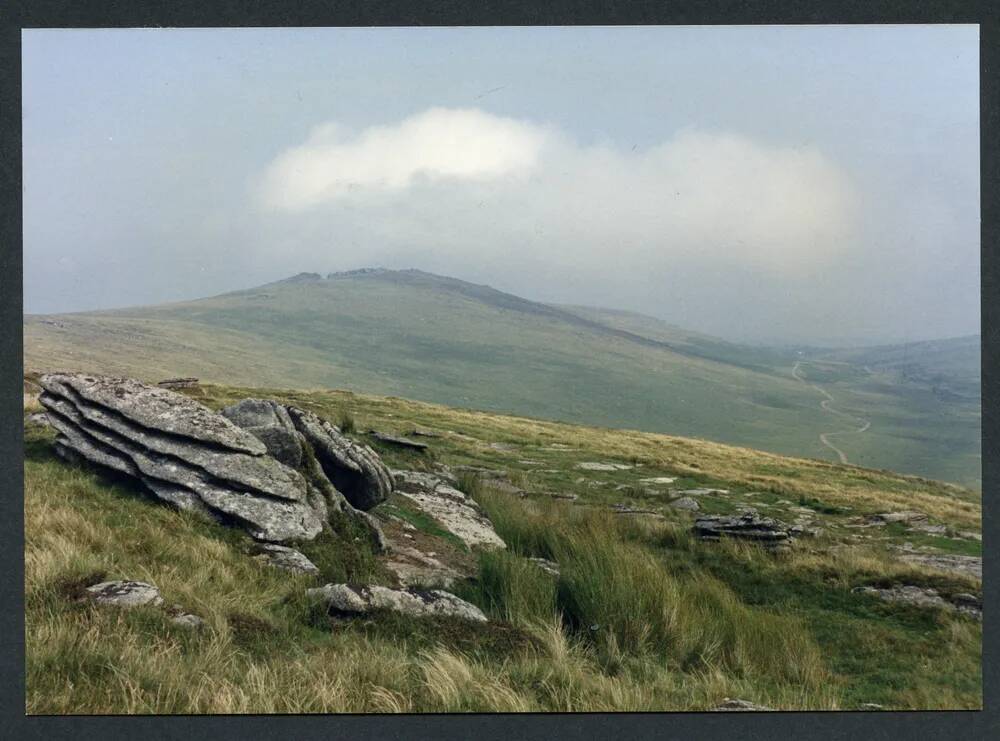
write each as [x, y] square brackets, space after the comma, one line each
[183, 452]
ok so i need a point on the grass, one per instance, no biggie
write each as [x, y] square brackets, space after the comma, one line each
[641, 617]
[429, 338]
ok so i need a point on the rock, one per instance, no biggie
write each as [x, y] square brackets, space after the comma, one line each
[967, 600]
[503, 447]
[415, 568]
[425, 432]
[455, 512]
[624, 509]
[177, 383]
[748, 526]
[886, 518]
[870, 706]
[549, 567]
[38, 418]
[188, 620]
[595, 466]
[400, 442]
[970, 565]
[125, 593]
[736, 705]
[355, 471]
[685, 503]
[658, 480]
[560, 495]
[701, 492]
[923, 597]
[288, 559]
[360, 600]
[184, 453]
[156, 409]
[929, 529]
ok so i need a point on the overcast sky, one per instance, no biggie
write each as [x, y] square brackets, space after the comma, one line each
[761, 183]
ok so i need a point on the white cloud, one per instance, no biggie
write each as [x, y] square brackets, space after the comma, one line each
[460, 187]
[440, 143]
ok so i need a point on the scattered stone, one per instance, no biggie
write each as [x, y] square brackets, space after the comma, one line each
[701, 492]
[503, 446]
[549, 567]
[748, 525]
[969, 565]
[595, 466]
[686, 503]
[929, 529]
[360, 600]
[658, 480]
[870, 706]
[886, 518]
[624, 509]
[178, 383]
[400, 442]
[425, 432]
[188, 620]
[736, 705]
[125, 593]
[288, 559]
[925, 597]
[455, 512]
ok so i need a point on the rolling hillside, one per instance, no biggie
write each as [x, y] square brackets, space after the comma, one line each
[427, 337]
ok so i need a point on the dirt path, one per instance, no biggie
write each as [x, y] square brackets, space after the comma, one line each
[863, 424]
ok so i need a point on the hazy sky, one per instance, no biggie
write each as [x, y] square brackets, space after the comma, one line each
[760, 183]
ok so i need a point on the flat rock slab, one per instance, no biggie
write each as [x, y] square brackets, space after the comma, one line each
[125, 593]
[400, 442]
[658, 480]
[885, 518]
[448, 506]
[748, 526]
[287, 559]
[158, 409]
[702, 492]
[413, 567]
[360, 600]
[598, 466]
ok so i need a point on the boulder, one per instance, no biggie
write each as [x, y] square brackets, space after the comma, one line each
[184, 453]
[125, 593]
[748, 525]
[298, 437]
[359, 600]
[455, 512]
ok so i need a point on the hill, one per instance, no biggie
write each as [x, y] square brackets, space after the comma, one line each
[428, 337]
[638, 614]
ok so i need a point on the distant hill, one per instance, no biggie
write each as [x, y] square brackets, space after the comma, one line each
[428, 337]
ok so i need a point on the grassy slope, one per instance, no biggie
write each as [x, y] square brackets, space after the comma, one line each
[438, 339]
[650, 620]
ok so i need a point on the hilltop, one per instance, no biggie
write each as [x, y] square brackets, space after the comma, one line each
[422, 336]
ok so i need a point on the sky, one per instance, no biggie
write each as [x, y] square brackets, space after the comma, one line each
[813, 185]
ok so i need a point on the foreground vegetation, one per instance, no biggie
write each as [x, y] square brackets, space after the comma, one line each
[641, 616]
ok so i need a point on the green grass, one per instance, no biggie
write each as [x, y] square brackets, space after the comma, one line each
[436, 339]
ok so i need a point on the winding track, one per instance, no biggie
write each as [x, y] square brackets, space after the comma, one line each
[825, 406]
